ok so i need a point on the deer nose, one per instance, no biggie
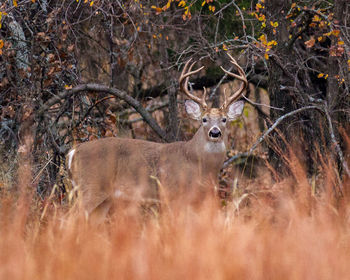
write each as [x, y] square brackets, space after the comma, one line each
[215, 132]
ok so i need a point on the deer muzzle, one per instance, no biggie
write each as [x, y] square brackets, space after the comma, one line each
[214, 133]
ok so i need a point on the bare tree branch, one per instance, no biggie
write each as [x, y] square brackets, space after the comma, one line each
[322, 109]
[113, 91]
[267, 132]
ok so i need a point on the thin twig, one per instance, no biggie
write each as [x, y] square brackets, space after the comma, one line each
[267, 132]
[335, 142]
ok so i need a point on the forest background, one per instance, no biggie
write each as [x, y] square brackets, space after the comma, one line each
[73, 71]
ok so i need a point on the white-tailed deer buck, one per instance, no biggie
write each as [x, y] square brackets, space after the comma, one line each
[111, 168]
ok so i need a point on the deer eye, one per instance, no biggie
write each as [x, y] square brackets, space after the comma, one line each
[223, 120]
[204, 120]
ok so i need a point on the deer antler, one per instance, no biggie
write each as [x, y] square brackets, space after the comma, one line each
[183, 82]
[241, 77]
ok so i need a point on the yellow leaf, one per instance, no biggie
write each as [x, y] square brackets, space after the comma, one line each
[316, 18]
[15, 3]
[272, 43]
[91, 3]
[203, 3]
[1, 44]
[320, 75]
[274, 24]
[261, 18]
[224, 47]
[186, 11]
[340, 43]
[167, 6]
[262, 38]
[266, 56]
[182, 4]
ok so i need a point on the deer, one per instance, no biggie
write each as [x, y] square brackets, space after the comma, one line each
[112, 168]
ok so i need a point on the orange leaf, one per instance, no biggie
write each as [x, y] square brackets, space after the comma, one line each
[310, 43]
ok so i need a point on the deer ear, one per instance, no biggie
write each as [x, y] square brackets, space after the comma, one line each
[235, 110]
[193, 109]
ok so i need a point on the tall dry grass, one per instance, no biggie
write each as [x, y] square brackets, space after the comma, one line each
[282, 231]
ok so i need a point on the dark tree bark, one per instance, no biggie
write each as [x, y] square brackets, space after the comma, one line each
[293, 83]
[278, 81]
[172, 133]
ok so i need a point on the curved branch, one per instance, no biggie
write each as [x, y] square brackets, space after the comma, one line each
[105, 89]
[334, 141]
[267, 132]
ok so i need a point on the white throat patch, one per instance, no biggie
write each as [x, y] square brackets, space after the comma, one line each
[215, 147]
[70, 158]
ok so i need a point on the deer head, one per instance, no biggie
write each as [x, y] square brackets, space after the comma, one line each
[214, 120]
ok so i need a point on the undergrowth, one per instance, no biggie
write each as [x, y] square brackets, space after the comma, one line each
[285, 230]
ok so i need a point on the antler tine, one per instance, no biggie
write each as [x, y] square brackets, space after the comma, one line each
[204, 96]
[183, 82]
[240, 77]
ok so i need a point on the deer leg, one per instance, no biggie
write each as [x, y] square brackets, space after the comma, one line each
[98, 215]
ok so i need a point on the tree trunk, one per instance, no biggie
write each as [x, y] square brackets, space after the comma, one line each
[278, 81]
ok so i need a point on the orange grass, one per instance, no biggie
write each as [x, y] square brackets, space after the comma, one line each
[269, 235]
